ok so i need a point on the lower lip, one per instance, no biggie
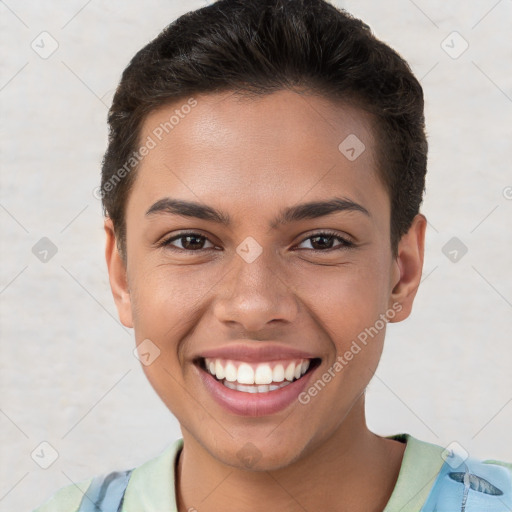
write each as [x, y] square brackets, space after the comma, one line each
[254, 404]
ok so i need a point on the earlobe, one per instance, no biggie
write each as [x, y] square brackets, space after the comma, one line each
[409, 263]
[117, 273]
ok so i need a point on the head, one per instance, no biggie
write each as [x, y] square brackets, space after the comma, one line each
[300, 137]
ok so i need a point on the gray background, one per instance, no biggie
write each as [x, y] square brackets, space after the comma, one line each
[68, 374]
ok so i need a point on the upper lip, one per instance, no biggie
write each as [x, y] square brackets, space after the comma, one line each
[259, 351]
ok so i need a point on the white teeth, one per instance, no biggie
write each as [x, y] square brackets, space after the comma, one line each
[245, 374]
[278, 373]
[240, 387]
[254, 377]
[219, 370]
[254, 389]
[289, 373]
[231, 372]
[263, 374]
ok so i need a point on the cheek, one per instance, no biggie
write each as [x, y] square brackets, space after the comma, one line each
[166, 295]
[167, 300]
[167, 305]
[345, 299]
[165, 310]
[347, 304]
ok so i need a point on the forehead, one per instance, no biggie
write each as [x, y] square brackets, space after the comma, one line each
[281, 147]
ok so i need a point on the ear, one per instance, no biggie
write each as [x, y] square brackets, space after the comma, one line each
[117, 276]
[409, 267]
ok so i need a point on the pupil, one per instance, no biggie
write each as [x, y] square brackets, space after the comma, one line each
[328, 238]
[187, 244]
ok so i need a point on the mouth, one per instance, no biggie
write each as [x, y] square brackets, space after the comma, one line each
[263, 378]
[255, 389]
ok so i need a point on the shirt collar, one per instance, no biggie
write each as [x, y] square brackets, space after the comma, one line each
[152, 485]
[420, 466]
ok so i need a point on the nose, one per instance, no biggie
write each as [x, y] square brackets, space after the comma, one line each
[254, 294]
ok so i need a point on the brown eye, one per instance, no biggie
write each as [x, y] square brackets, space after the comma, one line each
[323, 242]
[190, 242]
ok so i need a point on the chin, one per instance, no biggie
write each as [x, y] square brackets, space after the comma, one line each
[258, 454]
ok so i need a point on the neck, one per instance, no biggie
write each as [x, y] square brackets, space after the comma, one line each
[352, 469]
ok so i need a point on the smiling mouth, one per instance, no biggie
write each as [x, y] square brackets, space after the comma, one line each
[264, 377]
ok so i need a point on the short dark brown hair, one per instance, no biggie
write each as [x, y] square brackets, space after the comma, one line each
[256, 47]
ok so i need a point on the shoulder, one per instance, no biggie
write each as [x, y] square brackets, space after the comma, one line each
[506, 465]
[67, 498]
[453, 454]
[135, 487]
[464, 482]
[433, 477]
[468, 483]
[103, 492]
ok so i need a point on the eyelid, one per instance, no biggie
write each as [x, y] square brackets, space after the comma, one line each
[346, 241]
[166, 242]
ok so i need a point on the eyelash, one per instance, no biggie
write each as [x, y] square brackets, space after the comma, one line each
[345, 244]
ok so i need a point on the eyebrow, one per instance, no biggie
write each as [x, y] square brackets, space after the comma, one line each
[311, 210]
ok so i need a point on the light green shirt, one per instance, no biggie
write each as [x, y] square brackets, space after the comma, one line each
[151, 487]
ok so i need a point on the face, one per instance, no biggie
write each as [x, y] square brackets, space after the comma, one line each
[251, 232]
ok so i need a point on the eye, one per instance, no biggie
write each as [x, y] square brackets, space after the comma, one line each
[194, 242]
[324, 240]
[190, 242]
